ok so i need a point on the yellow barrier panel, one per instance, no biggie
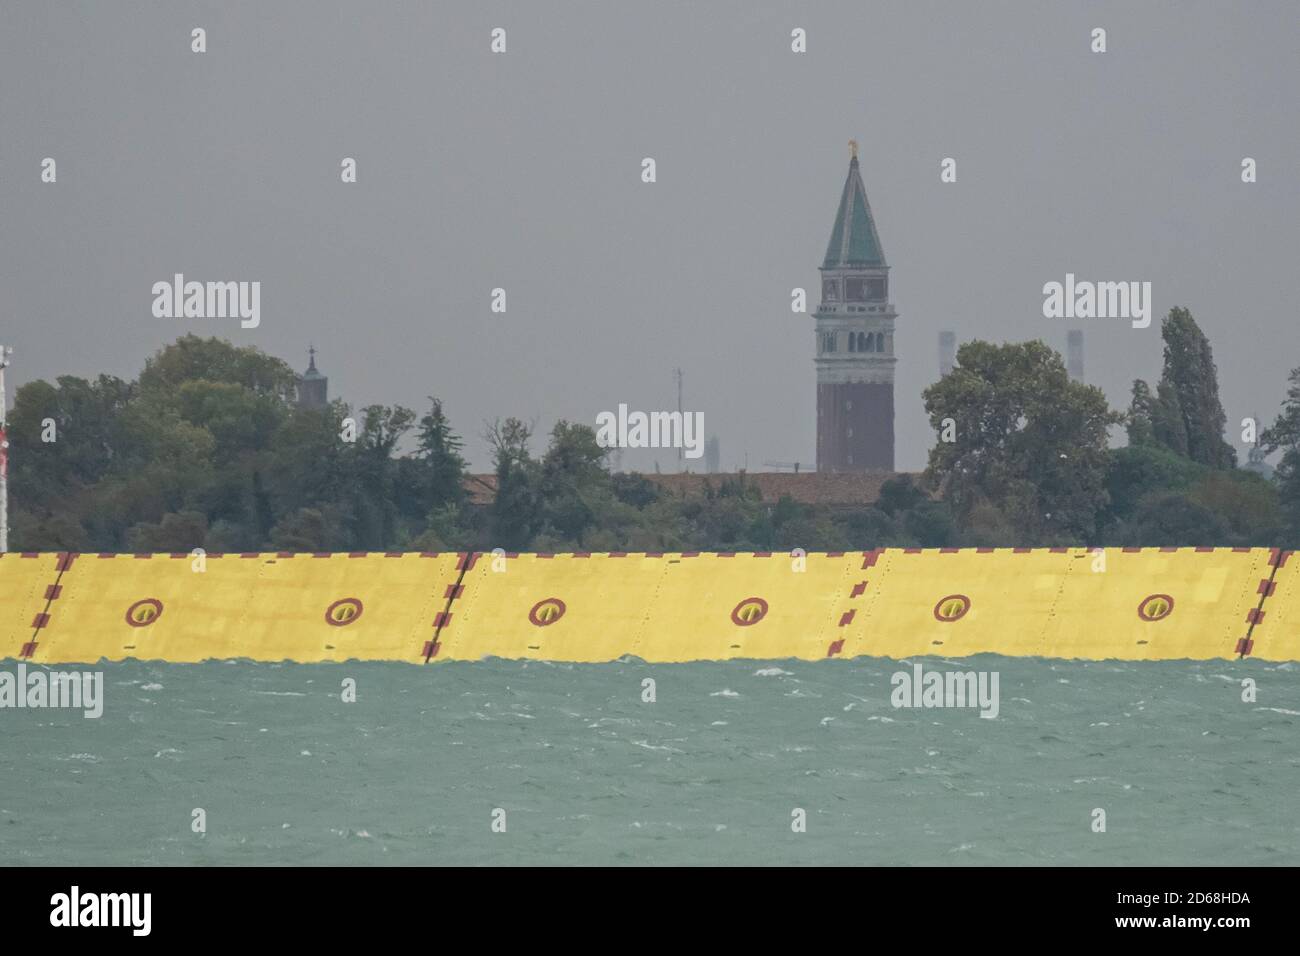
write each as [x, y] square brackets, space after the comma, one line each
[26, 585]
[1276, 634]
[1155, 603]
[561, 608]
[956, 603]
[670, 607]
[260, 606]
[340, 607]
[715, 607]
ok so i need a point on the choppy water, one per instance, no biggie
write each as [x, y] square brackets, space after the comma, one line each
[710, 773]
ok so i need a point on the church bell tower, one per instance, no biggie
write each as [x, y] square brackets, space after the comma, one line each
[855, 341]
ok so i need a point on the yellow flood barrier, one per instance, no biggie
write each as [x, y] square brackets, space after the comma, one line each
[1156, 603]
[659, 607]
[956, 603]
[267, 607]
[28, 582]
[1124, 603]
[1275, 635]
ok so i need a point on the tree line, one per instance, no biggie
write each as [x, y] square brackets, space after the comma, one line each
[208, 448]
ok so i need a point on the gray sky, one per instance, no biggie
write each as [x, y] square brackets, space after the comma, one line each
[523, 171]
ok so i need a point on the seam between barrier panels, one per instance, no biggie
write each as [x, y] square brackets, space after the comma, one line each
[444, 619]
[63, 561]
[1267, 587]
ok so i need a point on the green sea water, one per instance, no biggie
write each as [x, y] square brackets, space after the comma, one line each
[711, 772]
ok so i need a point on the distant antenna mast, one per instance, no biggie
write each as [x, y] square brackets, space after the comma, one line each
[681, 460]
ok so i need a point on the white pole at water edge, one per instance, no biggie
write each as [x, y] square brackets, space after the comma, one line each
[5, 352]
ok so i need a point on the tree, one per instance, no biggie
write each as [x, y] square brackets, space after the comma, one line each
[442, 467]
[1141, 411]
[1285, 434]
[515, 509]
[1190, 371]
[1168, 425]
[1028, 441]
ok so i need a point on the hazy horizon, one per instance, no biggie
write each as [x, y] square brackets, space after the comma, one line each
[522, 170]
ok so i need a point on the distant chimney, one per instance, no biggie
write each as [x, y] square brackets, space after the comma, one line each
[1074, 354]
[712, 454]
[947, 352]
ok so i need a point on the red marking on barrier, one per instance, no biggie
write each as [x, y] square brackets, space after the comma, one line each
[1267, 587]
[428, 554]
[1132, 550]
[431, 649]
[1156, 607]
[545, 554]
[1168, 550]
[1022, 550]
[136, 621]
[320, 554]
[618, 554]
[546, 612]
[762, 554]
[725, 554]
[911, 550]
[392, 554]
[869, 560]
[749, 612]
[847, 617]
[40, 620]
[143, 557]
[336, 614]
[52, 591]
[834, 554]
[65, 561]
[1058, 550]
[835, 648]
[102, 554]
[945, 612]
[442, 619]
[358, 554]
[454, 590]
[583, 554]
[1203, 550]
[250, 554]
[178, 554]
[858, 589]
[1242, 550]
[31, 554]
[1245, 646]
[654, 554]
[284, 554]
[950, 550]
[465, 560]
[690, 554]
[29, 649]
[983, 550]
[1255, 616]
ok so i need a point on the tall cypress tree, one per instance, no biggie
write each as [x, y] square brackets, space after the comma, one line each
[1193, 378]
[1140, 414]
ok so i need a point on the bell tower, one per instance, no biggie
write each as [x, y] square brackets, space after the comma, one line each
[854, 326]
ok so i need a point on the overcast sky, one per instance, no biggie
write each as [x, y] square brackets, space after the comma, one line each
[522, 171]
